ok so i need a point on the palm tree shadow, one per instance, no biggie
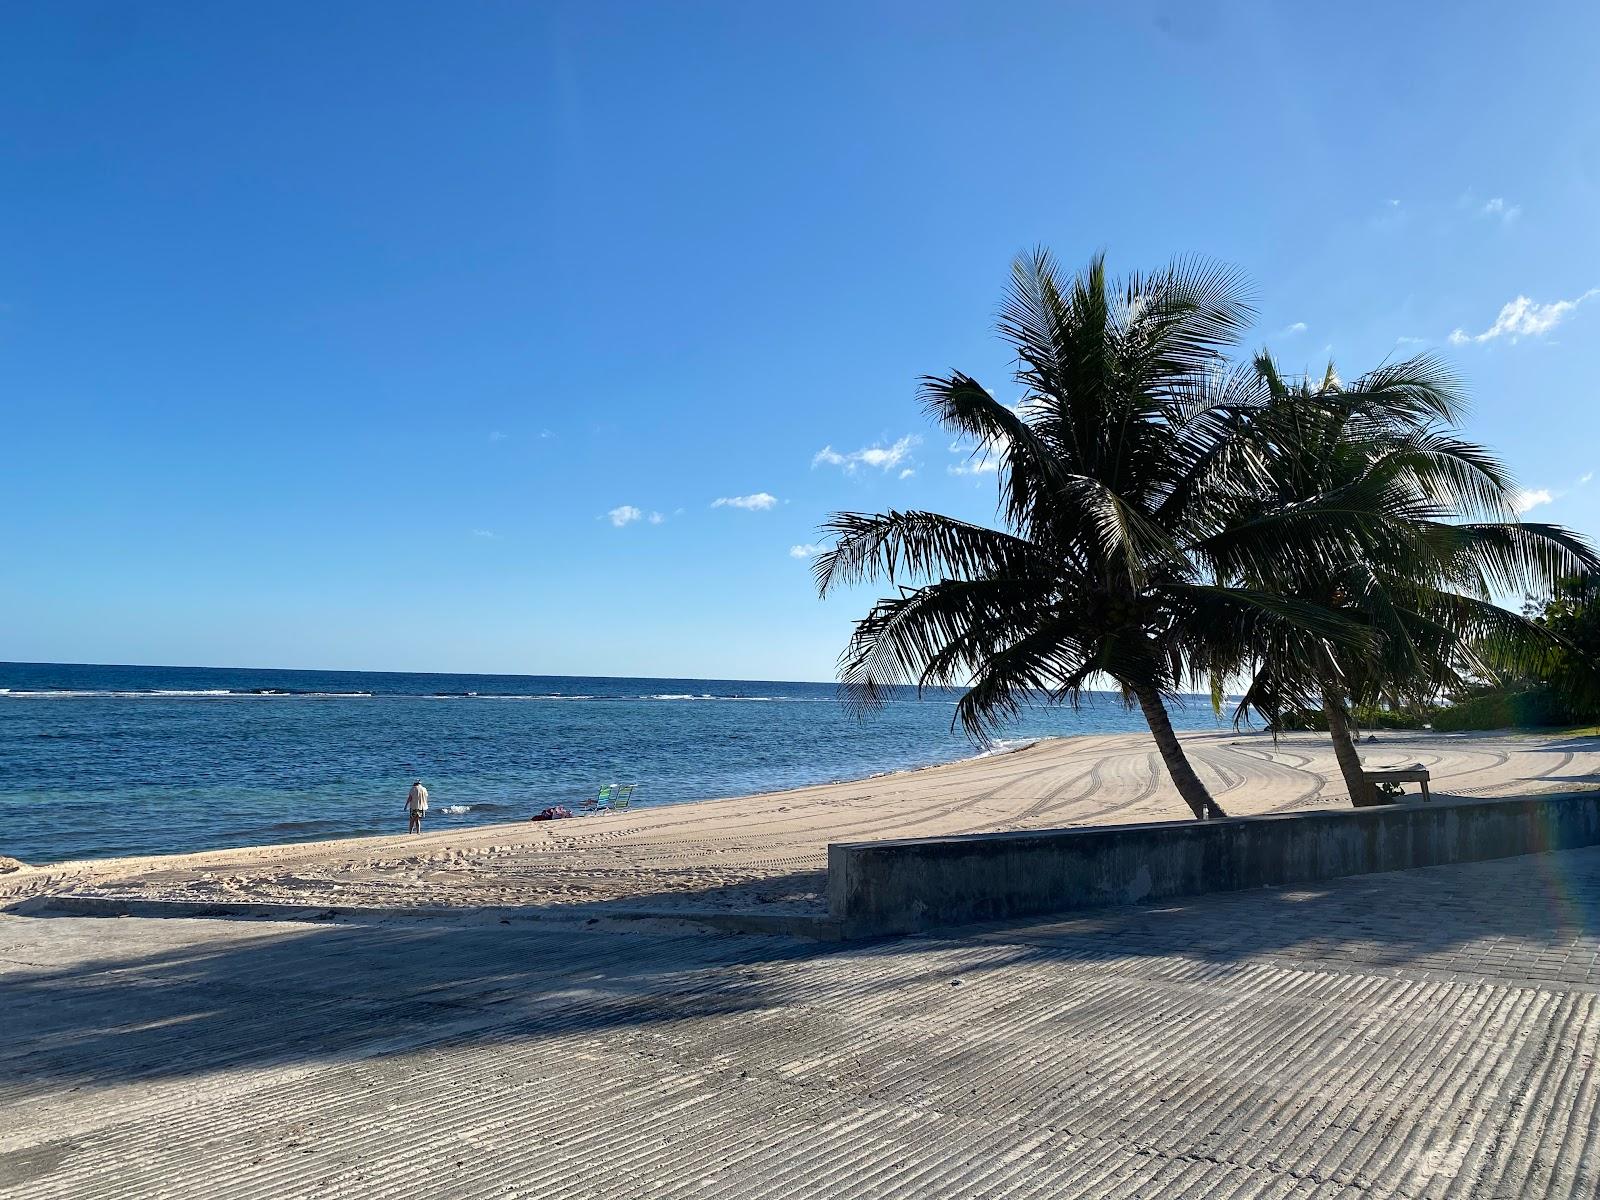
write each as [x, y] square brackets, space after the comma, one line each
[1577, 742]
[253, 994]
[1451, 919]
[241, 995]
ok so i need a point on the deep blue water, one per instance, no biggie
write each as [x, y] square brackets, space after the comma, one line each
[102, 760]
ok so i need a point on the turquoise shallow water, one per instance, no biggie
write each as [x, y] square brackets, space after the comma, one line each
[106, 760]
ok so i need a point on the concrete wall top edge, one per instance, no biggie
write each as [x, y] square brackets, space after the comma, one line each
[1091, 832]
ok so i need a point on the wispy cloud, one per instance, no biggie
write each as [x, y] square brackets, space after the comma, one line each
[755, 502]
[547, 433]
[1583, 479]
[878, 456]
[1391, 217]
[1291, 330]
[1526, 500]
[1522, 318]
[656, 518]
[1410, 341]
[497, 436]
[983, 465]
[624, 514]
[487, 535]
[806, 550]
[1498, 208]
[908, 473]
[979, 462]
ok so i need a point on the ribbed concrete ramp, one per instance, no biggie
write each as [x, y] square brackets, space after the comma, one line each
[1426, 1034]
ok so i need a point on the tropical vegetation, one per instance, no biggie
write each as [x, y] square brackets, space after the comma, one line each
[1437, 536]
[1572, 615]
[1168, 522]
[1563, 688]
[1496, 707]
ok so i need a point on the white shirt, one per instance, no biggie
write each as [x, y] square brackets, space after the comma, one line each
[417, 799]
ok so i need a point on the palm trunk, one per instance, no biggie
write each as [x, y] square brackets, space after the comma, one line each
[1344, 750]
[1194, 792]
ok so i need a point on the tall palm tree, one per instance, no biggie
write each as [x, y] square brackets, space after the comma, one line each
[1432, 535]
[1124, 455]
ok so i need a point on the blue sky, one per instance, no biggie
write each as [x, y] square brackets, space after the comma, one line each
[355, 335]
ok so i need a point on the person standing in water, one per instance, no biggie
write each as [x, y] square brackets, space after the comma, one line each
[416, 805]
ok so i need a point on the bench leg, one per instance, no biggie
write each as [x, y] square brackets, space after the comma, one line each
[1425, 797]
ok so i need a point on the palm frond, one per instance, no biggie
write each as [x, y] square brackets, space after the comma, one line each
[1412, 392]
[1031, 670]
[901, 545]
[1028, 468]
[1516, 556]
[939, 635]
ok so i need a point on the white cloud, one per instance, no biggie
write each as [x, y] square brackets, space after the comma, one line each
[908, 473]
[487, 535]
[1410, 341]
[1497, 207]
[1522, 318]
[1291, 330]
[624, 514]
[655, 518]
[879, 456]
[806, 550]
[1526, 500]
[755, 502]
[985, 465]
[547, 433]
[986, 462]
[497, 436]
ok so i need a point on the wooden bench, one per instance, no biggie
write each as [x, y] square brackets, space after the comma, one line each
[1416, 774]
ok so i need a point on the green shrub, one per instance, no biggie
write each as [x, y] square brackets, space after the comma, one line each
[1573, 671]
[1504, 710]
[1312, 720]
[1301, 720]
[1481, 712]
[1388, 718]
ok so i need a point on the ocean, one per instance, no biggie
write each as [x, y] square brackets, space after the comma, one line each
[105, 760]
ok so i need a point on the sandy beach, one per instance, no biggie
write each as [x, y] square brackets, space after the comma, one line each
[767, 853]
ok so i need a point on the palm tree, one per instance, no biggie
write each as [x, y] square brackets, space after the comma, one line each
[1124, 455]
[1431, 535]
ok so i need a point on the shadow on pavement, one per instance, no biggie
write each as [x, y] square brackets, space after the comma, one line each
[179, 998]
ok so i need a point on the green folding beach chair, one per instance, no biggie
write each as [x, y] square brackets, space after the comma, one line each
[603, 800]
[624, 793]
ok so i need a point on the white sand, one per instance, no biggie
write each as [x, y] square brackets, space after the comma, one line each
[768, 853]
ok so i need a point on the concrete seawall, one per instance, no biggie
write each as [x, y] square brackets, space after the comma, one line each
[905, 886]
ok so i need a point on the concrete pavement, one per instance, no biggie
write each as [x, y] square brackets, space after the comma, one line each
[1430, 1033]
